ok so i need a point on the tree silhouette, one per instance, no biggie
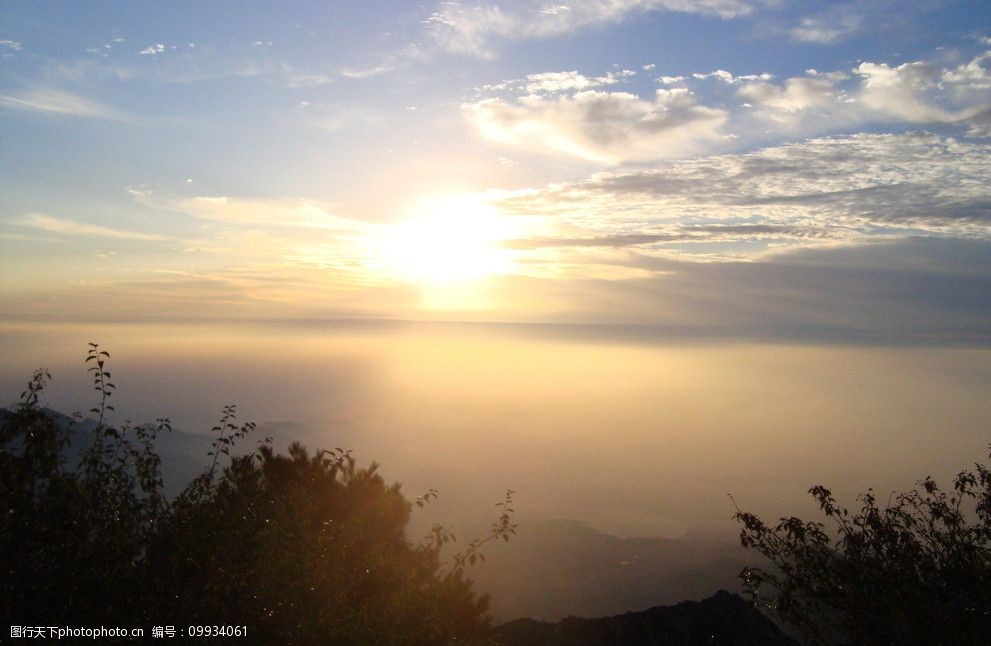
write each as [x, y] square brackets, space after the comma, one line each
[916, 570]
[300, 548]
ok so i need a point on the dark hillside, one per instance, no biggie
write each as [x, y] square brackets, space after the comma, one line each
[723, 618]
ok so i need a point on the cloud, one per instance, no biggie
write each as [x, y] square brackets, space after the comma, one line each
[63, 226]
[353, 73]
[270, 212]
[904, 291]
[918, 92]
[386, 63]
[908, 291]
[678, 233]
[564, 81]
[470, 27]
[824, 192]
[827, 28]
[153, 50]
[295, 80]
[11, 44]
[554, 82]
[57, 102]
[974, 74]
[782, 102]
[606, 127]
[189, 64]
[577, 115]
[336, 118]
[721, 75]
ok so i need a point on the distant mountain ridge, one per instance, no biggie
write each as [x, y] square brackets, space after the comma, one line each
[559, 567]
[724, 618]
[184, 454]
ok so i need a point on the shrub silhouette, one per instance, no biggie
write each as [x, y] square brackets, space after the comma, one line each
[914, 571]
[300, 548]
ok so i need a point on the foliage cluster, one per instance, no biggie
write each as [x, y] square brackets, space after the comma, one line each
[913, 570]
[301, 548]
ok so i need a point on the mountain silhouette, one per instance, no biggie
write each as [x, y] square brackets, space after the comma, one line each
[724, 618]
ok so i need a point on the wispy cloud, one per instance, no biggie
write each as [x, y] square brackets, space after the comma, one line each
[470, 27]
[11, 44]
[827, 28]
[335, 118]
[386, 63]
[58, 102]
[294, 79]
[274, 212]
[364, 73]
[68, 227]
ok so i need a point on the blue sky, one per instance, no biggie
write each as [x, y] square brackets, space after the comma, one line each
[757, 164]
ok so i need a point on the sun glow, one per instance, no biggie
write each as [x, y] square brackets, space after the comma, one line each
[447, 242]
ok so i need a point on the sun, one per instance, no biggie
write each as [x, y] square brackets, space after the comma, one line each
[449, 241]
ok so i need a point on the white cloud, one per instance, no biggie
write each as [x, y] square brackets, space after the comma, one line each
[63, 226]
[152, 50]
[974, 75]
[916, 92]
[827, 28]
[795, 95]
[728, 78]
[901, 91]
[11, 44]
[366, 72]
[607, 127]
[58, 102]
[551, 82]
[295, 80]
[471, 26]
[564, 81]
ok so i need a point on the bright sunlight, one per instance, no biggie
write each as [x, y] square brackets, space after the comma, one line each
[446, 242]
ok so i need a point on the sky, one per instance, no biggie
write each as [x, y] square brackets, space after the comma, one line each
[768, 168]
[621, 256]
